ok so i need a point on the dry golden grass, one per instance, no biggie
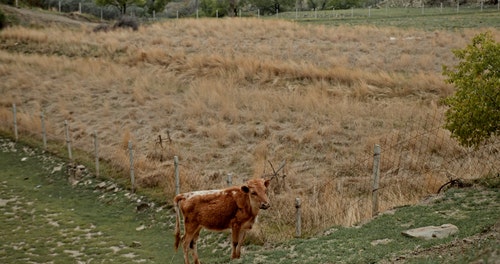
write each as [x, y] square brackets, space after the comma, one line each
[233, 94]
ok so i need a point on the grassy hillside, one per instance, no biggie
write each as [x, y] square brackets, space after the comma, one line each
[45, 217]
[231, 95]
[428, 18]
[47, 214]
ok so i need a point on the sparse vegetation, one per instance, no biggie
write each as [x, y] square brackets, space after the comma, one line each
[3, 20]
[127, 22]
[121, 5]
[233, 94]
[85, 219]
[46, 217]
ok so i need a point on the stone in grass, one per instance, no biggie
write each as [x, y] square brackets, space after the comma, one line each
[384, 241]
[430, 232]
[136, 244]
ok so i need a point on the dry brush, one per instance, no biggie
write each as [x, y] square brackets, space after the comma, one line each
[229, 95]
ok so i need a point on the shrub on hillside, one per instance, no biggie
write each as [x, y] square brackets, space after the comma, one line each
[124, 22]
[473, 115]
[102, 27]
[8, 2]
[173, 9]
[127, 22]
[3, 21]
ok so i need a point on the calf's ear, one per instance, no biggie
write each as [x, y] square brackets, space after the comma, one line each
[245, 189]
[267, 182]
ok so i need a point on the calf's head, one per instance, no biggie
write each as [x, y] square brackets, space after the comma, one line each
[257, 192]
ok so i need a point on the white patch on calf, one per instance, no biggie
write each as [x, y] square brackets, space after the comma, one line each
[190, 195]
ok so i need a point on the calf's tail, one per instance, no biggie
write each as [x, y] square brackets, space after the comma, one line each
[177, 232]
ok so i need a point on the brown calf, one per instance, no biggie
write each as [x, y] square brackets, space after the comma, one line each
[235, 207]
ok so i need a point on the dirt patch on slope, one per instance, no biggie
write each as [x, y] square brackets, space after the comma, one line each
[41, 18]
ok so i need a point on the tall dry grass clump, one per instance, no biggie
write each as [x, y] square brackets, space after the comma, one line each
[228, 96]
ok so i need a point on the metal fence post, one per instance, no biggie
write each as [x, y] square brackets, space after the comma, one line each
[376, 172]
[132, 176]
[44, 132]
[229, 179]
[96, 151]
[298, 224]
[176, 165]
[68, 141]
[14, 112]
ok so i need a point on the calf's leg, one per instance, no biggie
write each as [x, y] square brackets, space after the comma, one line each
[185, 248]
[238, 235]
[194, 246]
[241, 239]
[191, 230]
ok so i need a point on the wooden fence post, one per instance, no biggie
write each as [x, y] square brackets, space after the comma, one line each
[229, 179]
[298, 224]
[176, 166]
[376, 175]
[44, 132]
[14, 111]
[96, 151]
[132, 176]
[68, 141]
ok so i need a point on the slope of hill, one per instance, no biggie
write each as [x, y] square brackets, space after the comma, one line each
[230, 96]
[84, 219]
[43, 18]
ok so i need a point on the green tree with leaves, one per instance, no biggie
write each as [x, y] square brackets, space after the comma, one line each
[317, 4]
[214, 8]
[120, 4]
[344, 4]
[3, 20]
[156, 6]
[270, 6]
[473, 115]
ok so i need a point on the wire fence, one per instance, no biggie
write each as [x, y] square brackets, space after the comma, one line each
[418, 160]
[413, 161]
[386, 9]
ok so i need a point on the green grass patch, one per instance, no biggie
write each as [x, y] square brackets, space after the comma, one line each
[44, 218]
[429, 18]
[473, 211]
